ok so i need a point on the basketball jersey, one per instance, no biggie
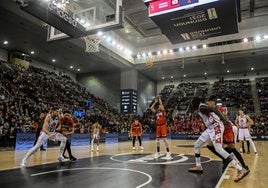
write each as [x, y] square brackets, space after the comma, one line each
[242, 121]
[160, 117]
[67, 124]
[136, 127]
[96, 129]
[209, 119]
[52, 124]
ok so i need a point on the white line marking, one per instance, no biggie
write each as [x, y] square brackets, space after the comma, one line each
[99, 168]
[223, 176]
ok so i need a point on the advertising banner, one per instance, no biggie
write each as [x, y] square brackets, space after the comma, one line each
[25, 141]
[201, 22]
[79, 139]
[111, 138]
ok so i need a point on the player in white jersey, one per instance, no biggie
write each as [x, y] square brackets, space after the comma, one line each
[243, 122]
[214, 121]
[48, 132]
[95, 133]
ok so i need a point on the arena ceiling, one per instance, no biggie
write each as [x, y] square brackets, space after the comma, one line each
[25, 33]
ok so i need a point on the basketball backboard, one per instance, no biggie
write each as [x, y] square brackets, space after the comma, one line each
[76, 18]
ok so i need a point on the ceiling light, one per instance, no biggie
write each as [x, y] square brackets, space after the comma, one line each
[245, 40]
[78, 70]
[164, 51]
[5, 42]
[184, 76]
[205, 73]
[204, 46]
[100, 33]
[149, 53]
[170, 51]
[194, 47]
[163, 78]
[71, 67]
[228, 71]
[187, 48]
[265, 36]
[181, 49]
[53, 60]
[258, 38]
[158, 52]
[252, 68]
[108, 39]
[32, 52]
[138, 56]
[171, 76]
[23, 54]
[143, 54]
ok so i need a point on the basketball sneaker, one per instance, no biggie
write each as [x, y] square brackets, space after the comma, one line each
[92, 149]
[256, 153]
[196, 169]
[168, 156]
[73, 159]
[241, 174]
[141, 148]
[156, 155]
[133, 148]
[23, 163]
[97, 148]
[62, 159]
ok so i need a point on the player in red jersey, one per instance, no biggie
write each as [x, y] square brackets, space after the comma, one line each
[67, 129]
[136, 131]
[161, 126]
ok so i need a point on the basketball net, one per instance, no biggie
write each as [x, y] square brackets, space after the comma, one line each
[93, 43]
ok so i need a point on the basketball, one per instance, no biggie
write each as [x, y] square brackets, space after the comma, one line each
[149, 63]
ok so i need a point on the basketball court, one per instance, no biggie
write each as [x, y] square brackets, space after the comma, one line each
[117, 165]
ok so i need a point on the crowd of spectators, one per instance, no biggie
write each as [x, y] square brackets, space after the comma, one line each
[35, 90]
[262, 88]
[235, 93]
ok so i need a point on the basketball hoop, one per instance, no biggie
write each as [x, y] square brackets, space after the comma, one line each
[93, 43]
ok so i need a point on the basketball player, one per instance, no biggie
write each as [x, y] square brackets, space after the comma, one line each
[229, 137]
[243, 122]
[136, 131]
[213, 120]
[161, 127]
[67, 129]
[95, 133]
[48, 132]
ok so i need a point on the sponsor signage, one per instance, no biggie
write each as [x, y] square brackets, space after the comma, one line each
[26, 141]
[129, 101]
[165, 6]
[54, 16]
[200, 22]
[79, 139]
[111, 138]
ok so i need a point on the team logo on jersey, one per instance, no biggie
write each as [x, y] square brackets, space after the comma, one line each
[147, 158]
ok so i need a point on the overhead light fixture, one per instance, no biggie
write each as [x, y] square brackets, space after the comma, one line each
[32, 52]
[53, 60]
[5, 42]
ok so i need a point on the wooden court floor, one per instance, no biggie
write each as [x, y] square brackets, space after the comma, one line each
[257, 178]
